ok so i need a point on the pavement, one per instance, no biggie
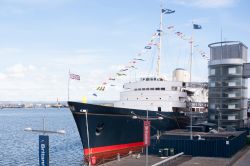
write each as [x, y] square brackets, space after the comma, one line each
[242, 158]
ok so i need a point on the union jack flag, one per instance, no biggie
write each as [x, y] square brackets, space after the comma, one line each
[74, 76]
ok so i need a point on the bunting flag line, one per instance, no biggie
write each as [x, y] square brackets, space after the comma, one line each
[189, 39]
[153, 41]
[104, 83]
[100, 88]
[120, 74]
[170, 27]
[74, 76]
[138, 59]
[147, 47]
[122, 70]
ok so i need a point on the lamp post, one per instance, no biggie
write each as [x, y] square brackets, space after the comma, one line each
[44, 142]
[146, 129]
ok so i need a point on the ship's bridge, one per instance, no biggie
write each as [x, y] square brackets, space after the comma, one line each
[151, 79]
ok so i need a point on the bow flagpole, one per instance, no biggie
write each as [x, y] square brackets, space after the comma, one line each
[73, 77]
[68, 83]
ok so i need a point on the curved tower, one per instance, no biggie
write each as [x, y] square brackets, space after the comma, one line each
[227, 86]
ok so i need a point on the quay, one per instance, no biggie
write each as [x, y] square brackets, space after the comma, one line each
[241, 158]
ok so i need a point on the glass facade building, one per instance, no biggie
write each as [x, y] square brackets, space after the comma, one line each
[227, 88]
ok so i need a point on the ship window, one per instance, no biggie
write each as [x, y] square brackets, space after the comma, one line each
[135, 89]
[159, 109]
[137, 98]
[157, 88]
[99, 128]
[162, 88]
[160, 98]
[146, 98]
[174, 88]
[147, 88]
[155, 79]
[147, 79]
[143, 88]
[151, 79]
[139, 88]
[152, 88]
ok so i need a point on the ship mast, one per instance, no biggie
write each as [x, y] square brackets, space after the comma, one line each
[160, 42]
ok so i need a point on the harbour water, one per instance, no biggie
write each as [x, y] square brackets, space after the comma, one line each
[18, 147]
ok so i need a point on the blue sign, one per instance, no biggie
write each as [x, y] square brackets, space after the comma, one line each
[43, 150]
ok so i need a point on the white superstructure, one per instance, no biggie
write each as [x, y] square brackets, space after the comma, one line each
[153, 93]
[158, 94]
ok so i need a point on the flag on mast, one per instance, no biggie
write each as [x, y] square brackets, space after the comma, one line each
[196, 26]
[74, 76]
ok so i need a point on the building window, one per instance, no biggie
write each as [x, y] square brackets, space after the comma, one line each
[231, 117]
[212, 71]
[212, 84]
[232, 70]
[231, 84]
[231, 95]
[212, 106]
[212, 117]
[231, 106]
[174, 88]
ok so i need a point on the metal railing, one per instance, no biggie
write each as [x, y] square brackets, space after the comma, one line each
[168, 159]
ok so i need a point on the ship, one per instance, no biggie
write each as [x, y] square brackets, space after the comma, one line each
[108, 131]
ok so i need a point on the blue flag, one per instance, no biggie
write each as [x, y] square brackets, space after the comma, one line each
[196, 26]
[167, 11]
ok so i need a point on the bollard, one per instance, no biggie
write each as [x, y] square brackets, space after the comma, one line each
[118, 157]
[171, 151]
[160, 153]
[93, 160]
[165, 152]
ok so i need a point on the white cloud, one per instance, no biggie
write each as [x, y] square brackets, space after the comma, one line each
[206, 3]
[2, 76]
[17, 70]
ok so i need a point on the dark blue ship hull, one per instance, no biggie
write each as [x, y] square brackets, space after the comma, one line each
[106, 131]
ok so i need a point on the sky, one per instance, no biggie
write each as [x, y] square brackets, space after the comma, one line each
[41, 40]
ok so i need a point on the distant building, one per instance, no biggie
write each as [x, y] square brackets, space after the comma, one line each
[227, 86]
